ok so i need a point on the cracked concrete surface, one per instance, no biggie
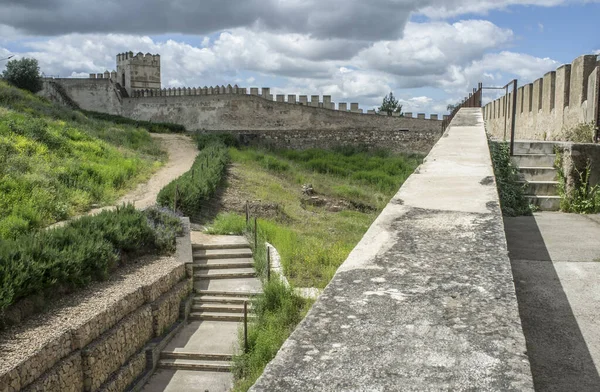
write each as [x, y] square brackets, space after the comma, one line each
[425, 301]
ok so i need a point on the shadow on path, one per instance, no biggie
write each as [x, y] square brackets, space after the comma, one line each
[559, 356]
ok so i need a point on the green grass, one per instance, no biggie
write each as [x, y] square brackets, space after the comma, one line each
[227, 223]
[56, 162]
[314, 241]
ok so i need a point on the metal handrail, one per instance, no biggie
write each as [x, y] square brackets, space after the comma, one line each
[472, 101]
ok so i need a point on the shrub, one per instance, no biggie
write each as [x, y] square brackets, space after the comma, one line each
[203, 140]
[581, 133]
[23, 73]
[82, 251]
[198, 184]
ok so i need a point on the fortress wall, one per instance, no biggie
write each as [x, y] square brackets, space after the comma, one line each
[99, 95]
[117, 346]
[560, 100]
[426, 300]
[286, 124]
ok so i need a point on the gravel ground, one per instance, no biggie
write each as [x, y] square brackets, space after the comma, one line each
[20, 342]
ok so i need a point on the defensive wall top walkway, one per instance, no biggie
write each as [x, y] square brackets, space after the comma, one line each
[426, 300]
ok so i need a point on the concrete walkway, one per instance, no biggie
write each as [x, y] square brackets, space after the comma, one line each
[199, 357]
[555, 259]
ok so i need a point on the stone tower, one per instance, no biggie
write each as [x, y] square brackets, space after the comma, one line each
[139, 71]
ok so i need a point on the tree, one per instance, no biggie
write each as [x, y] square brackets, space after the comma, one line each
[390, 105]
[24, 73]
[451, 107]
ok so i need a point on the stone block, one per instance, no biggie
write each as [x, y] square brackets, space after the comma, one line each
[65, 376]
[538, 89]
[520, 92]
[303, 100]
[421, 116]
[99, 76]
[280, 98]
[433, 116]
[107, 318]
[115, 347]
[408, 115]
[354, 107]
[165, 310]
[593, 96]
[445, 117]
[155, 289]
[563, 83]
[35, 365]
[581, 68]
[314, 101]
[127, 374]
[266, 92]
[326, 100]
[343, 107]
[253, 90]
[92, 76]
[371, 111]
[291, 98]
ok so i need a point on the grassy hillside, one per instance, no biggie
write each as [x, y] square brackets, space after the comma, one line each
[314, 234]
[56, 162]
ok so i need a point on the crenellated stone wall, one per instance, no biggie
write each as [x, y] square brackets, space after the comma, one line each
[113, 349]
[558, 101]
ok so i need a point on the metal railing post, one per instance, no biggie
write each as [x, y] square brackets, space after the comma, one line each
[513, 122]
[268, 264]
[245, 327]
[255, 235]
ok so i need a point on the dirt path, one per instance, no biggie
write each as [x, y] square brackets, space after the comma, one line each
[181, 152]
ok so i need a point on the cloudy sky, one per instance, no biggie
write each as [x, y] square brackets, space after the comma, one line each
[428, 52]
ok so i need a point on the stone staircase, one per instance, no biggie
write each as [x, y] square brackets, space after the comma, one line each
[535, 161]
[224, 278]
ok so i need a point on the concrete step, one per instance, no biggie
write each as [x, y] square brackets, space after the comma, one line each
[534, 160]
[220, 246]
[533, 147]
[215, 299]
[224, 264]
[218, 316]
[224, 293]
[222, 254]
[233, 273]
[545, 203]
[197, 365]
[195, 356]
[538, 173]
[541, 188]
[219, 308]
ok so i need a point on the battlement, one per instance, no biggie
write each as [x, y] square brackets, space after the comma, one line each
[265, 93]
[139, 58]
[559, 100]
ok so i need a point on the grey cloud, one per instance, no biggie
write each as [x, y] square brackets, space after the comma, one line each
[352, 19]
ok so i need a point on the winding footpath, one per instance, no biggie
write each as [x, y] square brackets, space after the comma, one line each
[181, 151]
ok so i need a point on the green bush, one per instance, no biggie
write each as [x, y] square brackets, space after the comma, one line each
[23, 73]
[198, 184]
[205, 139]
[512, 199]
[153, 127]
[583, 198]
[82, 251]
[581, 133]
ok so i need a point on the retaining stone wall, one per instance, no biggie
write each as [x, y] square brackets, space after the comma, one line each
[109, 352]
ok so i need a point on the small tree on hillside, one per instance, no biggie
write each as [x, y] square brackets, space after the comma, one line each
[24, 73]
[390, 105]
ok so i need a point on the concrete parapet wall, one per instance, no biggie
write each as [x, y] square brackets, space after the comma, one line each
[107, 350]
[98, 95]
[426, 300]
[561, 100]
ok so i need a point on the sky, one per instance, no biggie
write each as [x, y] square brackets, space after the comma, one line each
[429, 53]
